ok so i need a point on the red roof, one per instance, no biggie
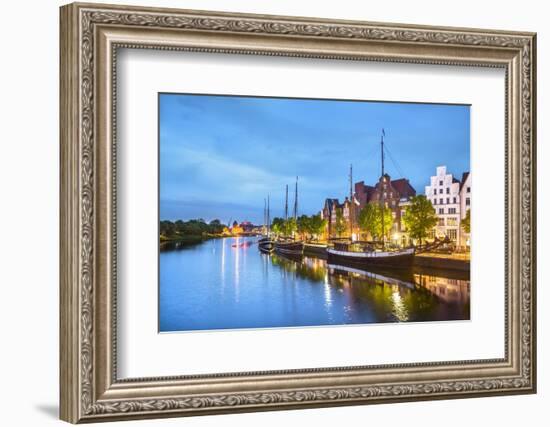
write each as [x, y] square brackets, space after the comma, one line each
[403, 187]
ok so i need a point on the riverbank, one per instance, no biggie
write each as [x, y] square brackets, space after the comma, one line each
[459, 262]
[183, 239]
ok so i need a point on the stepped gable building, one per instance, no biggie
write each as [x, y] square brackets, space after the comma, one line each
[397, 194]
[329, 213]
[465, 203]
[451, 200]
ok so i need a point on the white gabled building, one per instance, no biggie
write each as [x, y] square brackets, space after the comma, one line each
[444, 193]
[465, 203]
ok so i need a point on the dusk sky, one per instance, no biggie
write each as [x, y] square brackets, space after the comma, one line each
[220, 156]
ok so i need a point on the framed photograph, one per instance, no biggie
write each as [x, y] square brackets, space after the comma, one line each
[265, 212]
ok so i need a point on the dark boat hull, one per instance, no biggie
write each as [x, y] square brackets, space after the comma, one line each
[289, 248]
[315, 250]
[266, 245]
[402, 259]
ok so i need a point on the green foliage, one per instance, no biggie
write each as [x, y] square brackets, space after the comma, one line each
[303, 225]
[193, 227]
[465, 223]
[340, 225]
[289, 226]
[370, 220]
[317, 225]
[167, 228]
[310, 226]
[284, 228]
[277, 225]
[216, 227]
[419, 217]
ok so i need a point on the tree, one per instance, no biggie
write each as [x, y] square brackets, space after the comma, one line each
[167, 228]
[466, 222]
[277, 225]
[289, 227]
[419, 217]
[317, 225]
[370, 220]
[340, 225]
[304, 225]
[215, 226]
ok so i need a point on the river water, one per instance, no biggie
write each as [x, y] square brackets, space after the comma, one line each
[228, 284]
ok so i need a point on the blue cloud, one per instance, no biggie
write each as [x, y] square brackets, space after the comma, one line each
[225, 153]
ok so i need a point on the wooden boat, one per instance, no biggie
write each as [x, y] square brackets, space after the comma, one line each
[369, 255]
[266, 244]
[436, 244]
[315, 249]
[347, 253]
[289, 248]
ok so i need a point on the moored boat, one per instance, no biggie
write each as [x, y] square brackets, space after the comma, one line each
[349, 253]
[379, 254]
[315, 249]
[294, 248]
[266, 244]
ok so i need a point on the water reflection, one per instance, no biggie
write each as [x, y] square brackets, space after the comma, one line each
[228, 283]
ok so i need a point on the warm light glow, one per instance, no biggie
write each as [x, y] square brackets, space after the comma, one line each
[395, 236]
[399, 309]
[236, 229]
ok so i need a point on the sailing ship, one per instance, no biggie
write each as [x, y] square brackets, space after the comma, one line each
[287, 246]
[368, 255]
[315, 249]
[266, 243]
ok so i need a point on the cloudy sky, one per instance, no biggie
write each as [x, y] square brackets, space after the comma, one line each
[220, 156]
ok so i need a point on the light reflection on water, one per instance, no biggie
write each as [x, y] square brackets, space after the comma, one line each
[225, 284]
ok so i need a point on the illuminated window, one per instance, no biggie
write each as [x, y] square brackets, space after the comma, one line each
[452, 221]
[452, 234]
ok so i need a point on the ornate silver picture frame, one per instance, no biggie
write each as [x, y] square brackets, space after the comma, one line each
[91, 35]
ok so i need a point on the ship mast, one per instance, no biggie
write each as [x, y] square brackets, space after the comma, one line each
[383, 187]
[286, 204]
[268, 218]
[296, 200]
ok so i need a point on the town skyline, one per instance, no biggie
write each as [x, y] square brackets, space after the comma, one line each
[204, 174]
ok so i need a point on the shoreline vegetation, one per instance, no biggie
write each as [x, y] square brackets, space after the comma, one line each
[189, 232]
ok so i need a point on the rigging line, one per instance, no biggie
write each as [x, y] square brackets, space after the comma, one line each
[369, 157]
[397, 167]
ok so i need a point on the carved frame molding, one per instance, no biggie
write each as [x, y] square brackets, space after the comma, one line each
[90, 37]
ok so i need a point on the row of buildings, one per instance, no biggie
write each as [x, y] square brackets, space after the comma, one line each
[449, 196]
